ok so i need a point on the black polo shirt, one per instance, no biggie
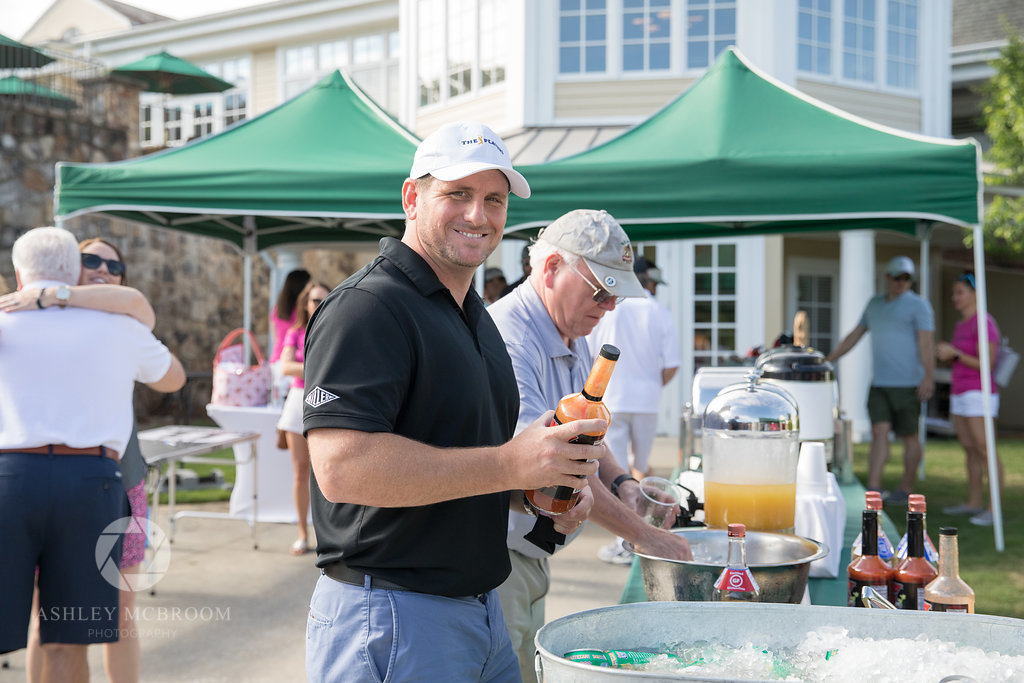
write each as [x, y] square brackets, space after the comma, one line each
[390, 351]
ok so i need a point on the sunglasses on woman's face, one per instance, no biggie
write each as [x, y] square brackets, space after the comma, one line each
[316, 302]
[93, 262]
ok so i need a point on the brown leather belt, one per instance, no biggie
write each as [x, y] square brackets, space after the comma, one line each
[61, 449]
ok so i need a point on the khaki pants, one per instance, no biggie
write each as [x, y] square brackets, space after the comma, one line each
[522, 601]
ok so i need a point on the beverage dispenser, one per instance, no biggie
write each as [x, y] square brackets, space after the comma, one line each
[750, 455]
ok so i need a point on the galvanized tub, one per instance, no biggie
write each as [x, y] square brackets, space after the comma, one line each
[780, 563]
[651, 625]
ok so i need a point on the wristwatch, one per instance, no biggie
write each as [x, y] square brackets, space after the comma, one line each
[63, 295]
[619, 480]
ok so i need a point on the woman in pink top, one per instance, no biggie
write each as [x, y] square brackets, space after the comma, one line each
[291, 416]
[283, 315]
[965, 403]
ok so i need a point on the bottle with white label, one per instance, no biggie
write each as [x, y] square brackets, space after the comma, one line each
[948, 592]
[736, 582]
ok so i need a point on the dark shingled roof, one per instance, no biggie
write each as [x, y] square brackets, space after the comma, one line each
[134, 14]
[979, 21]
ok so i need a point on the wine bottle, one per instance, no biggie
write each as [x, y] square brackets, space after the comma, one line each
[736, 582]
[948, 592]
[555, 500]
[914, 571]
[916, 503]
[868, 569]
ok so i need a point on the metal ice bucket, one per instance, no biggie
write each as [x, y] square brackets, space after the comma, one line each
[659, 626]
[780, 563]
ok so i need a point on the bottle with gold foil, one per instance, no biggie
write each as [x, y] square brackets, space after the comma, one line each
[587, 404]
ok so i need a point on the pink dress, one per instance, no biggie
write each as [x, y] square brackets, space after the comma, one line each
[281, 328]
[296, 339]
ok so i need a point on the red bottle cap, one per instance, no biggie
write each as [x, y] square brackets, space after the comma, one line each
[916, 503]
[736, 529]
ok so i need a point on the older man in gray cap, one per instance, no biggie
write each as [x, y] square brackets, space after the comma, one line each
[582, 265]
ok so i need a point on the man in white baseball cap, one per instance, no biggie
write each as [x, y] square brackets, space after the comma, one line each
[410, 410]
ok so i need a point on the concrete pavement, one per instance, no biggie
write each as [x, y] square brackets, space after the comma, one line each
[227, 613]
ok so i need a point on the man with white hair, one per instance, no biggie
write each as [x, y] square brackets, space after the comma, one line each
[582, 265]
[65, 415]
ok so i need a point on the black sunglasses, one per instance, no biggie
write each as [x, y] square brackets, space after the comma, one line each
[93, 262]
[317, 301]
[903, 277]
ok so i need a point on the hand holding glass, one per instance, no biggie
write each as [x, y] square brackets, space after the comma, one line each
[659, 501]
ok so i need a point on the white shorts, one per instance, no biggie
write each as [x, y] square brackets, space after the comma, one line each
[968, 404]
[291, 414]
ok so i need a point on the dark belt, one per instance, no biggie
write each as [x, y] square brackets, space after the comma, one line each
[345, 574]
[61, 449]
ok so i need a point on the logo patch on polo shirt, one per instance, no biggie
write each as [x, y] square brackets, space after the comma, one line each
[317, 397]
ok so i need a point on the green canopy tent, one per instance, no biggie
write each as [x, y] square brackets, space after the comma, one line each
[740, 153]
[325, 166]
[16, 55]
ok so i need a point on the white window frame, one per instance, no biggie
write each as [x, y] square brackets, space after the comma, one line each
[879, 82]
[716, 270]
[647, 41]
[374, 74]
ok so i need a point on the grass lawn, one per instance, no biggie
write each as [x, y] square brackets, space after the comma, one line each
[996, 577]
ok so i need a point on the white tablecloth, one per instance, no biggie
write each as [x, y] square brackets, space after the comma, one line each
[275, 475]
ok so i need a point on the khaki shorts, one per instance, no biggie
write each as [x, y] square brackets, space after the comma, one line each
[899, 406]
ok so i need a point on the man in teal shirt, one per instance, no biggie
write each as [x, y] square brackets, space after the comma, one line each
[902, 327]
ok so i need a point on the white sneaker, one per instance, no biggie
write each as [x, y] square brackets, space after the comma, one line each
[615, 553]
[982, 519]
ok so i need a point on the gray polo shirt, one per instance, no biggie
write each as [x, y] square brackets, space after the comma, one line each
[546, 370]
[894, 326]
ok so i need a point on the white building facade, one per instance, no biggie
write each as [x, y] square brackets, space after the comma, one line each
[557, 76]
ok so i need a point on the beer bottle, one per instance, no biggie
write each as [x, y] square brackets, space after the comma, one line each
[915, 571]
[736, 583]
[948, 592]
[868, 569]
[554, 500]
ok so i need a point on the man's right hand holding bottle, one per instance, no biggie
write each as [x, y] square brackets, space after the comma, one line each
[541, 456]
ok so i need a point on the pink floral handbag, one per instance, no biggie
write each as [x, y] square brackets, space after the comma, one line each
[234, 382]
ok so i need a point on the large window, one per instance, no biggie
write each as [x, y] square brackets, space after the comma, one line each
[815, 295]
[814, 36]
[871, 42]
[901, 44]
[202, 119]
[714, 306]
[711, 27]
[461, 47]
[583, 31]
[646, 35]
[612, 37]
[146, 124]
[172, 126]
[371, 60]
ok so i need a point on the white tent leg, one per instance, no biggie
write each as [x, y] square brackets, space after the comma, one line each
[924, 231]
[984, 357]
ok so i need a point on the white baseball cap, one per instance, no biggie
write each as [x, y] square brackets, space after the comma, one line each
[457, 150]
[602, 243]
[900, 265]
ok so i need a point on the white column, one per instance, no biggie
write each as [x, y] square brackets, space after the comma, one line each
[856, 287]
[675, 259]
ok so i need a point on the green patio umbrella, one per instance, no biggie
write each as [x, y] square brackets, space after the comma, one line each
[12, 86]
[172, 75]
[15, 55]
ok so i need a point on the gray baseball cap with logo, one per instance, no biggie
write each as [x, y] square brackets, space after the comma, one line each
[602, 243]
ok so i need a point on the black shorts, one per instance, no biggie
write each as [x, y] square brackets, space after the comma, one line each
[899, 406]
[55, 509]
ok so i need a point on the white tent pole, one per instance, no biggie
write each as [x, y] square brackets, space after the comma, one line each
[984, 357]
[924, 231]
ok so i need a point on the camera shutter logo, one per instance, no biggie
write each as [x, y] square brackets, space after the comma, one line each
[149, 571]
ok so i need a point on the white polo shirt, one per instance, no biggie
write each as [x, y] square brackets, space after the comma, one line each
[643, 330]
[66, 375]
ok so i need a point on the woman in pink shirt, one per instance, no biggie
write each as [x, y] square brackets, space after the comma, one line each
[291, 416]
[283, 315]
[965, 403]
